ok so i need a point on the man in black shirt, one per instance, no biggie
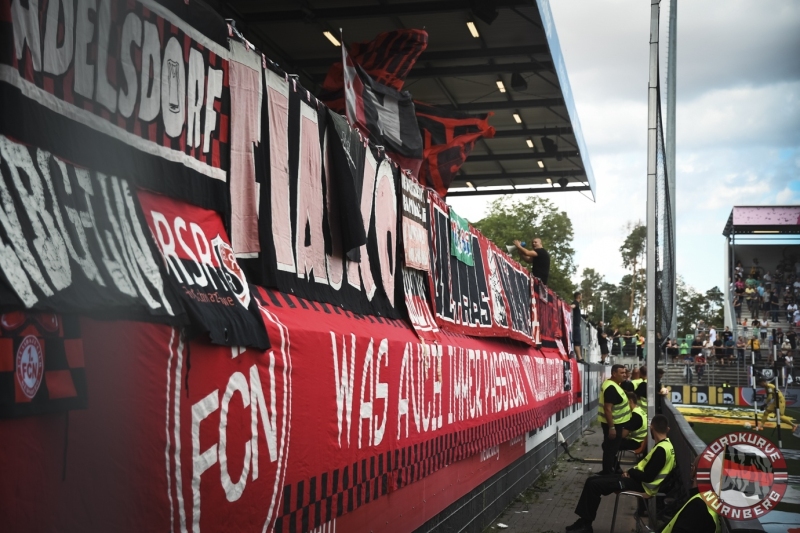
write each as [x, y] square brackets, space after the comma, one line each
[576, 324]
[647, 472]
[602, 340]
[539, 259]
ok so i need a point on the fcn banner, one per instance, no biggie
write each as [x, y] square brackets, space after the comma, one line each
[340, 412]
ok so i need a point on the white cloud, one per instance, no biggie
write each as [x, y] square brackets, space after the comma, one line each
[738, 118]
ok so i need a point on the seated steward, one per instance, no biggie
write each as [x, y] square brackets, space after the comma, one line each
[636, 431]
[646, 477]
[695, 516]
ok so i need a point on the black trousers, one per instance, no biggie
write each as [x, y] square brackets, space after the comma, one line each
[610, 448]
[628, 444]
[598, 486]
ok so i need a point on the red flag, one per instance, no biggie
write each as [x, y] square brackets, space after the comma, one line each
[387, 59]
[382, 113]
[448, 137]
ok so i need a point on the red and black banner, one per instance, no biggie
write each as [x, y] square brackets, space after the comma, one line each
[491, 298]
[388, 59]
[75, 241]
[448, 138]
[383, 113]
[313, 207]
[203, 269]
[340, 412]
[41, 364]
[126, 88]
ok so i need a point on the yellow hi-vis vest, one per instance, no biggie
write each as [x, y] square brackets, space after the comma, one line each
[714, 515]
[642, 399]
[621, 411]
[775, 399]
[640, 434]
[651, 488]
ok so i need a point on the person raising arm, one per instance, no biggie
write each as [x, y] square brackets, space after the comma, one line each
[539, 258]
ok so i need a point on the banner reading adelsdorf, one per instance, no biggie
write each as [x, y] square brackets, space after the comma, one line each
[131, 89]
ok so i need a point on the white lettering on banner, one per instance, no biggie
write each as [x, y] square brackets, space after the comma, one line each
[26, 30]
[370, 380]
[223, 272]
[420, 374]
[253, 398]
[164, 95]
[386, 226]
[363, 267]
[278, 106]
[483, 382]
[344, 383]
[124, 250]
[309, 242]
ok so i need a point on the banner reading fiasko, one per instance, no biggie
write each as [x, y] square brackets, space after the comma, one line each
[342, 410]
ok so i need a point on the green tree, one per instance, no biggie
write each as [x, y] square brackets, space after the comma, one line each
[514, 218]
[694, 306]
[633, 254]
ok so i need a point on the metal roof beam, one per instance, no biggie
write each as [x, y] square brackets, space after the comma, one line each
[479, 70]
[544, 174]
[473, 70]
[444, 55]
[512, 104]
[506, 134]
[370, 11]
[526, 190]
[520, 156]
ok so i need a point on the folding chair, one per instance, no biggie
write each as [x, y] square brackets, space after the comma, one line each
[643, 496]
[667, 486]
[638, 453]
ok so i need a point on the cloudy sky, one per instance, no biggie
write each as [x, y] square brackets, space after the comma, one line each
[738, 121]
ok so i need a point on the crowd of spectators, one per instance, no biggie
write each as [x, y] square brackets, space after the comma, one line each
[767, 294]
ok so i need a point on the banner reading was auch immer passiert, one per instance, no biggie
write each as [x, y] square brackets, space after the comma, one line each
[342, 410]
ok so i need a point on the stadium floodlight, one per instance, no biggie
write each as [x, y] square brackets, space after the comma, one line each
[473, 29]
[500, 86]
[334, 41]
[529, 143]
[470, 185]
[517, 118]
[540, 163]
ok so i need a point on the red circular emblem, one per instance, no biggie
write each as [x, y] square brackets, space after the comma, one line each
[30, 366]
[742, 475]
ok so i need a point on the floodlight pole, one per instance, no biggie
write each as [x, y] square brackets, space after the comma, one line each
[652, 125]
[672, 59]
[652, 139]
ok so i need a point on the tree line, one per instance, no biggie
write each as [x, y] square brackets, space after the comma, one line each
[623, 304]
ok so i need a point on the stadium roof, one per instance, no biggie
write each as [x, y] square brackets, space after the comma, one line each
[763, 220]
[457, 71]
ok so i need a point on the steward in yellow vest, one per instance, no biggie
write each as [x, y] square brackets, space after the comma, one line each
[646, 477]
[695, 516]
[640, 386]
[636, 431]
[614, 414]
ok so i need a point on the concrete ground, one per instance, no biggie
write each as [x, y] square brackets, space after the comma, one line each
[548, 506]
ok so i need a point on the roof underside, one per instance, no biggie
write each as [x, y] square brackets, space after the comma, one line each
[763, 219]
[456, 71]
